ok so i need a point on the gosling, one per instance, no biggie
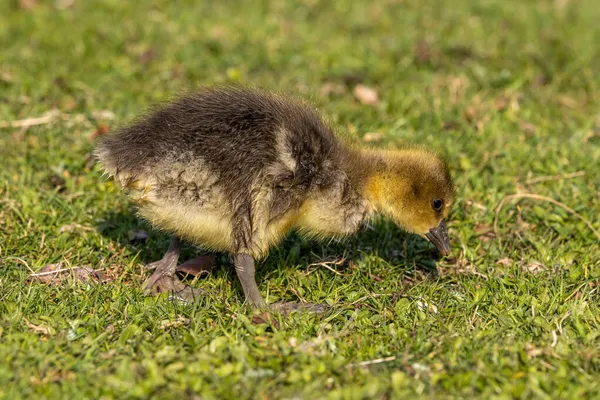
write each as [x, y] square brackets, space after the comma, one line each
[235, 169]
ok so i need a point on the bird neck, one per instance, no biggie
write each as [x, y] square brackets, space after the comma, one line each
[375, 176]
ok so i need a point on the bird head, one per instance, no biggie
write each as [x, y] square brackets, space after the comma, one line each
[413, 187]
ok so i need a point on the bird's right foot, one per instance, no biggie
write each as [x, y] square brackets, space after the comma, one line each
[164, 279]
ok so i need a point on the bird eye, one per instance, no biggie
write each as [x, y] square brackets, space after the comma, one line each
[437, 204]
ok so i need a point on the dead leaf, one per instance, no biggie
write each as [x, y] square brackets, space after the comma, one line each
[332, 88]
[504, 261]
[502, 102]
[198, 266]
[527, 127]
[366, 95]
[482, 229]
[265, 318]
[72, 227]
[55, 274]
[39, 329]
[533, 267]
[64, 4]
[568, 102]
[6, 76]
[371, 137]
[560, 4]
[100, 130]
[27, 4]
[470, 114]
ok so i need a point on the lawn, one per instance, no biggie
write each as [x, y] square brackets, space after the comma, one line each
[507, 90]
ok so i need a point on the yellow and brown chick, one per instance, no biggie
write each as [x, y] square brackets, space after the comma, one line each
[235, 169]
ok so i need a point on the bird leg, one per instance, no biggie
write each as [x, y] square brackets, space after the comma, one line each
[164, 279]
[244, 267]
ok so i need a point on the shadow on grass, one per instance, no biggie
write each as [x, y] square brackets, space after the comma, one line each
[382, 239]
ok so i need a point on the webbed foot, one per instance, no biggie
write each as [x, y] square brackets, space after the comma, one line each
[166, 283]
[164, 279]
[244, 267]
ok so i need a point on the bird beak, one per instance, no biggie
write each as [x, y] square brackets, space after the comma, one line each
[439, 237]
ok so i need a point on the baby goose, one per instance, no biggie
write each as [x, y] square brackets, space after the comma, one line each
[235, 169]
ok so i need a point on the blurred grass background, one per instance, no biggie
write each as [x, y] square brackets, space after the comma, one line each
[508, 91]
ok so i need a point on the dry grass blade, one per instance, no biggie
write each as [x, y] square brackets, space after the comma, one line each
[366, 95]
[555, 177]
[371, 362]
[55, 274]
[327, 264]
[25, 123]
[19, 259]
[540, 198]
[39, 329]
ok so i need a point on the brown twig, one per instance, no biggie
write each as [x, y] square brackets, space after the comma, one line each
[540, 198]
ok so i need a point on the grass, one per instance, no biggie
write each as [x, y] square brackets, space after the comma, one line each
[509, 91]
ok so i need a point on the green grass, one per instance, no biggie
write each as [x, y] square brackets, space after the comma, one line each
[508, 90]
